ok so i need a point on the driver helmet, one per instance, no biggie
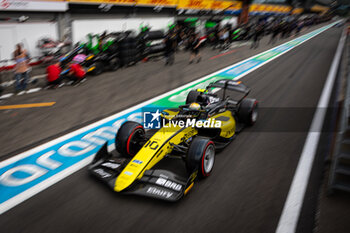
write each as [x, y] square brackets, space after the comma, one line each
[195, 106]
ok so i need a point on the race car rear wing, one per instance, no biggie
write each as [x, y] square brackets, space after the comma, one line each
[230, 85]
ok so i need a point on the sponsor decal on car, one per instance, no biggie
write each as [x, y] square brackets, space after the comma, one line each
[159, 192]
[111, 165]
[102, 173]
[168, 184]
[137, 161]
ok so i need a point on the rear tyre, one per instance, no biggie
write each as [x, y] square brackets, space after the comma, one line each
[114, 64]
[248, 111]
[192, 96]
[129, 138]
[201, 156]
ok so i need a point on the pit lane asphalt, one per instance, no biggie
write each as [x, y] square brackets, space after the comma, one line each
[251, 178]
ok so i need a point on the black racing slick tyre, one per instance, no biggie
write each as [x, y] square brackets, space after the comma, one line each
[129, 138]
[201, 156]
[153, 35]
[129, 45]
[127, 61]
[114, 64]
[129, 53]
[156, 48]
[192, 96]
[98, 68]
[248, 111]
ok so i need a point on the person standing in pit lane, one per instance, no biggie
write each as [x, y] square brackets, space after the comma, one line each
[195, 46]
[259, 31]
[300, 25]
[275, 31]
[284, 29]
[170, 47]
[22, 68]
[216, 36]
[224, 39]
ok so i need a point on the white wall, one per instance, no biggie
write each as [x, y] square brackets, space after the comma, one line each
[81, 28]
[26, 33]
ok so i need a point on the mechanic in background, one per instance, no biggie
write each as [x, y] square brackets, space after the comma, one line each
[53, 75]
[224, 39]
[170, 47]
[22, 68]
[259, 32]
[275, 31]
[195, 46]
[300, 25]
[76, 73]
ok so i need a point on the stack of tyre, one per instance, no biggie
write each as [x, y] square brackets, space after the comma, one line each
[153, 41]
[131, 50]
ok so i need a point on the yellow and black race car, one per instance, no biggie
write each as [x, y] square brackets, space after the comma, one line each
[151, 162]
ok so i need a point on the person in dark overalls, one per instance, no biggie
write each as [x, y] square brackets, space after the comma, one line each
[275, 31]
[195, 46]
[170, 47]
[259, 30]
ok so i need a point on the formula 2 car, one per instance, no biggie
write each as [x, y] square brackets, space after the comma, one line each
[140, 167]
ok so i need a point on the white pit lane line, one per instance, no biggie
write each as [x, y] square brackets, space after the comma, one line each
[292, 207]
[33, 90]
[10, 203]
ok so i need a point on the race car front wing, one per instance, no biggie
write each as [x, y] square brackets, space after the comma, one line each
[157, 183]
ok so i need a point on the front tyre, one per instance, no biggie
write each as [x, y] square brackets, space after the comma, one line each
[201, 156]
[129, 138]
[98, 68]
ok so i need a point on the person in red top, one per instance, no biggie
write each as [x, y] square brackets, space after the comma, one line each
[76, 73]
[53, 74]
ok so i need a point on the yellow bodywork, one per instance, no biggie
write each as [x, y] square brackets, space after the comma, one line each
[91, 69]
[228, 123]
[161, 144]
[89, 57]
[170, 114]
[158, 146]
